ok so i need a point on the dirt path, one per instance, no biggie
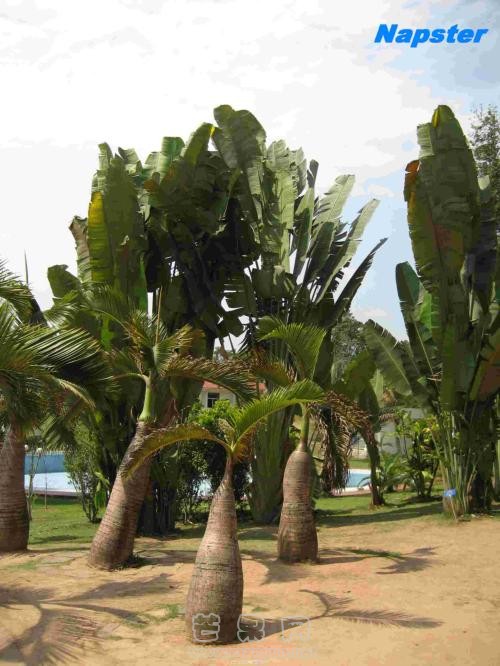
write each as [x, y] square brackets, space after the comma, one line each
[406, 593]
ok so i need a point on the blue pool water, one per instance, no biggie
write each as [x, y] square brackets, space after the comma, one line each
[61, 481]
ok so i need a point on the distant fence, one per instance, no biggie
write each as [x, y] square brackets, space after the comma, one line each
[49, 462]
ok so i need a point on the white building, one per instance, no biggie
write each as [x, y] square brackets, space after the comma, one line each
[210, 393]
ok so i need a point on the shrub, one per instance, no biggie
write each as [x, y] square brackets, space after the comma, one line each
[82, 462]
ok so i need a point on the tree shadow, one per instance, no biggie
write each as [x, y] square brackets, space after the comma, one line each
[283, 572]
[417, 560]
[55, 538]
[338, 608]
[254, 628]
[276, 570]
[46, 551]
[330, 518]
[149, 556]
[258, 533]
[64, 623]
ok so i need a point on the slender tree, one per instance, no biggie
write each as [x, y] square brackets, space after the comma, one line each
[305, 249]
[450, 308]
[485, 142]
[154, 358]
[297, 538]
[216, 588]
[42, 376]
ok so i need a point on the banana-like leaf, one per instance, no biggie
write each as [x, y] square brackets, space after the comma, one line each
[356, 376]
[320, 249]
[341, 253]
[443, 213]
[241, 139]
[105, 157]
[481, 261]
[62, 281]
[388, 356]
[115, 234]
[303, 228]
[343, 302]
[159, 162]
[78, 228]
[416, 308]
[486, 381]
[197, 143]
[331, 204]
[101, 257]
[324, 227]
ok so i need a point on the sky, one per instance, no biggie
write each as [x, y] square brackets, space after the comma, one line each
[128, 72]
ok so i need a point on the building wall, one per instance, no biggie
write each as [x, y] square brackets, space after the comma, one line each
[224, 394]
[387, 438]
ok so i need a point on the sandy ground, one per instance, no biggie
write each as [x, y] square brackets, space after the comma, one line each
[434, 600]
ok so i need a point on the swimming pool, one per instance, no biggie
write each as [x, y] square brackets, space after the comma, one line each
[60, 481]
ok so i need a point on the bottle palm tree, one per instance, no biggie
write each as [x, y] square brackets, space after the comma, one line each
[216, 589]
[39, 368]
[155, 358]
[297, 538]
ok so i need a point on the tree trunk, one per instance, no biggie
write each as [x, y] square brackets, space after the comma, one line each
[113, 543]
[14, 522]
[215, 596]
[297, 538]
[373, 454]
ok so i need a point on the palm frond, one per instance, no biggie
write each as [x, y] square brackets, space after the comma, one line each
[347, 411]
[232, 374]
[180, 342]
[248, 418]
[163, 438]
[269, 369]
[15, 292]
[303, 340]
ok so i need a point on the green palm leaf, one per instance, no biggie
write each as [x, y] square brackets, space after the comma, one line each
[248, 418]
[304, 342]
[233, 375]
[14, 291]
[165, 437]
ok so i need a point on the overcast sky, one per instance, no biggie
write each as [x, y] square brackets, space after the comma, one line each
[76, 73]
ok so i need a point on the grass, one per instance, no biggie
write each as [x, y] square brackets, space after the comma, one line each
[356, 510]
[64, 521]
[359, 463]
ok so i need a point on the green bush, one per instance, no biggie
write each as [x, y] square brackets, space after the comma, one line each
[82, 463]
[201, 463]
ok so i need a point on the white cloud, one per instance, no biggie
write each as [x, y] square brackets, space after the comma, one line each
[77, 73]
[369, 313]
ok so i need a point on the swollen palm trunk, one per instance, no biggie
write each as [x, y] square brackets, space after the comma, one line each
[14, 523]
[113, 543]
[297, 538]
[215, 596]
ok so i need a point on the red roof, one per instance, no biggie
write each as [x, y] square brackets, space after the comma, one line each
[209, 386]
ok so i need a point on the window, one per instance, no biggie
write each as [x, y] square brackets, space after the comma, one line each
[212, 399]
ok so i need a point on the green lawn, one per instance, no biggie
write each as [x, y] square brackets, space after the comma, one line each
[64, 520]
[356, 510]
[359, 463]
